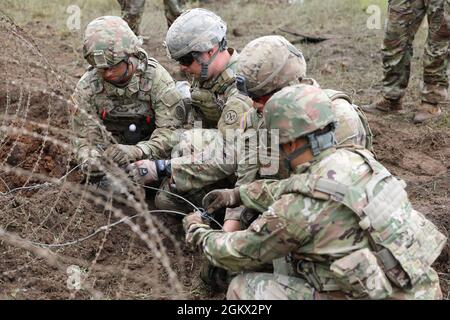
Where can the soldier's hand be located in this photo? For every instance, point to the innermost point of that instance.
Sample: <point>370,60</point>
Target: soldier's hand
<point>143,171</point>
<point>123,154</point>
<point>90,165</point>
<point>191,219</point>
<point>221,198</point>
<point>192,222</point>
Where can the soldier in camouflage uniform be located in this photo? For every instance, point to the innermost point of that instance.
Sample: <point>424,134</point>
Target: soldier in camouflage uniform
<point>125,98</point>
<point>132,12</point>
<point>341,226</point>
<point>268,64</point>
<point>197,40</point>
<point>404,19</point>
<point>256,67</point>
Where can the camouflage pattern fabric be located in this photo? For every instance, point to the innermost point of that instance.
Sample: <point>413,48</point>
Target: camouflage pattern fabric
<point>297,111</point>
<point>105,113</point>
<point>188,177</point>
<point>172,10</point>
<point>270,63</point>
<point>404,19</point>
<point>217,104</point>
<point>268,286</point>
<point>196,30</point>
<point>312,233</point>
<point>201,146</point>
<point>132,12</point>
<point>109,40</point>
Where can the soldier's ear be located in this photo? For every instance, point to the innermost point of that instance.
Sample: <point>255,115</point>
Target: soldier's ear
<point>211,52</point>
<point>288,147</point>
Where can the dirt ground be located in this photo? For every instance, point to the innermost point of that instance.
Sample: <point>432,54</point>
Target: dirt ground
<point>120,264</point>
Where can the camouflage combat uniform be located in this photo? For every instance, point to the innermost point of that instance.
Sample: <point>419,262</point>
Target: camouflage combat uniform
<point>132,12</point>
<point>144,113</point>
<point>404,19</point>
<point>216,102</point>
<point>352,127</point>
<point>324,226</point>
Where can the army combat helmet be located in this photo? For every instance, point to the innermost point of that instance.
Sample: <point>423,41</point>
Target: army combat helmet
<point>108,40</point>
<point>302,111</point>
<point>193,32</point>
<point>268,64</point>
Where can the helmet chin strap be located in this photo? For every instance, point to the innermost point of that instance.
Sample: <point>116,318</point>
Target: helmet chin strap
<point>205,64</point>
<point>121,82</point>
<point>316,142</point>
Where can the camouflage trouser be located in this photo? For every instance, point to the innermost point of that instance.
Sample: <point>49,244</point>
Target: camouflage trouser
<point>269,286</point>
<point>172,10</point>
<point>132,11</point>
<point>404,19</point>
<point>166,201</point>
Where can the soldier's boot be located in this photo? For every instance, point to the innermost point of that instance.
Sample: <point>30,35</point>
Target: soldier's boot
<point>383,105</point>
<point>427,111</point>
<point>216,278</point>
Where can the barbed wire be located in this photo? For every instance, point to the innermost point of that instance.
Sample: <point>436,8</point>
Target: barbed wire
<point>26,98</point>
<point>39,186</point>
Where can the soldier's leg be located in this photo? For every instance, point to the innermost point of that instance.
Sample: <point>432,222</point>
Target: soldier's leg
<point>435,57</point>
<point>132,11</point>
<point>167,201</point>
<point>404,19</point>
<point>435,61</point>
<point>267,286</point>
<point>171,10</point>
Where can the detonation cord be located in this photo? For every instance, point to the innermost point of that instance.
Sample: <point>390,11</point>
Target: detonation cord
<point>198,210</point>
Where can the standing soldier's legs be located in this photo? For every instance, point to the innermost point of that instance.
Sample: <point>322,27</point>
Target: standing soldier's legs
<point>268,286</point>
<point>172,10</point>
<point>435,61</point>
<point>132,11</point>
<point>403,21</point>
<point>405,17</point>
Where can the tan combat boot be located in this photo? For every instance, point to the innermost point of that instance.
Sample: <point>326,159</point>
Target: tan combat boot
<point>427,111</point>
<point>383,105</point>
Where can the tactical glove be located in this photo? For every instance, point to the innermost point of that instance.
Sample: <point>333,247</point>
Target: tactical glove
<point>191,219</point>
<point>123,154</point>
<point>192,222</point>
<point>90,162</point>
<point>143,171</point>
<point>221,198</point>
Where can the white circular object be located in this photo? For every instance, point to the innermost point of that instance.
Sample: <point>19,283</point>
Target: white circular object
<point>132,127</point>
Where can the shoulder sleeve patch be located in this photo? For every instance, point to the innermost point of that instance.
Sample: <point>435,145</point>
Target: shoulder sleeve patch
<point>230,117</point>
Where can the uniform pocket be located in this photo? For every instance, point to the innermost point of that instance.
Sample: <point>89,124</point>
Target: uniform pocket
<point>360,275</point>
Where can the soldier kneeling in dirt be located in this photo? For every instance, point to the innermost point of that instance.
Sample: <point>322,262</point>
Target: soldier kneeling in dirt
<point>126,105</point>
<point>341,226</point>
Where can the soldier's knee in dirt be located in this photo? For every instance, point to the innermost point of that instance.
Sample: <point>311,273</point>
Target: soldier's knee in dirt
<point>164,201</point>
<point>216,278</point>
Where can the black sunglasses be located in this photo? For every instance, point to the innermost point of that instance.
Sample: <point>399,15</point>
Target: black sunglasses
<point>186,60</point>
